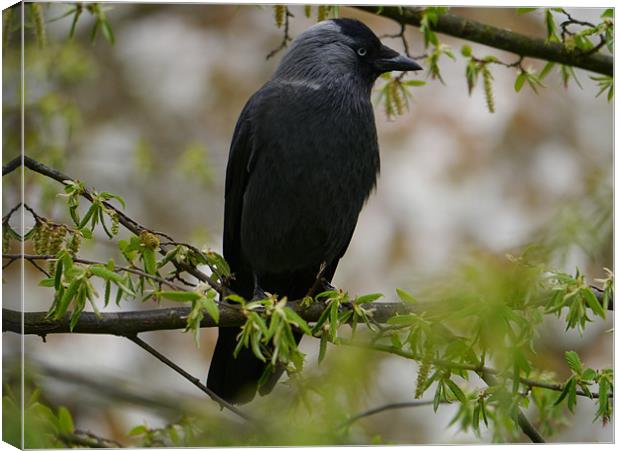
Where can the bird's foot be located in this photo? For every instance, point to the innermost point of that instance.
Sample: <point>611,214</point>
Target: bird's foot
<point>258,294</point>
<point>325,285</point>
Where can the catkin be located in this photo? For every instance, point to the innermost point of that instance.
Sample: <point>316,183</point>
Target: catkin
<point>322,12</point>
<point>279,12</point>
<point>74,245</point>
<point>39,23</point>
<point>56,238</point>
<point>425,366</point>
<point>41,238</point>
<point>308,10</point>
<point>6,27</point>
<point>115,223</point>
<point>149,239</point>
<point>487,79</point>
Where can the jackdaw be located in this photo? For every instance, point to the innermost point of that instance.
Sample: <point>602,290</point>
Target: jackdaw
<point>303,160</point>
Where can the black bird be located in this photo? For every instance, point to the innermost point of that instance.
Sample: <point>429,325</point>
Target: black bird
<point>303,160</point>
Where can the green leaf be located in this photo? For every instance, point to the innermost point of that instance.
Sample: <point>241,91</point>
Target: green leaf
<point>588,374</point>
<point>525,10</point>
<point>89,214</point>
<point>107,31</point>
<point>574,362</point>
<point>551,35</point>
<point>235,298</point>
<point>65,422</point>
<point>138,430</point>
<point>58,274</point>
<point>592,302</point>
<point>67,297</point>
<point>322,347</point>
<point>78,11</point>
<point>179,296</point>
<point>609,12</point>
<point>212,308</point>
<point>106,295</point>
<point>106,274</point>
<point>150,263</point>
<point>48,283</point>
<point>405,296</point>
<point>455,389</point>
<point>333,319</point>
<point>294,318</point>
<point>565,390</point>
<point>413,83</point>
<point>545,70</point>
<point>519,81</point>
<point>367,298</point>
<point>438,396</point>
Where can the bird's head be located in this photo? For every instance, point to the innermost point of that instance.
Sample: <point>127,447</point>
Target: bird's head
<point>341,48</point>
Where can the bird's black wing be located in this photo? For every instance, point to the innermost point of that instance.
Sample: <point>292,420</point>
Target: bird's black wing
<point>229,375</point>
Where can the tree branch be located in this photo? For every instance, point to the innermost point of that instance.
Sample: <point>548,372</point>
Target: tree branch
<point>133,322</point>
<point>471,30</point>
<point>188,376</point>
<point>383,408</point>
<point>85,439</point>
<point>129,223</point>
<point>483,371</point>
<point>136,271</point>
<point>525,425</point>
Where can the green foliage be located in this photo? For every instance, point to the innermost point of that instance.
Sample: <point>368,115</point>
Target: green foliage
<point>533,80</point>
<point>38,23</point>
<point>43,428</point>
<point>429,19</point>
<point>605,83</point>
<point>324,12</point>
<point>577,295</point>
<point>396,95</point>
<point>279,12</point>
<point>194,165</point>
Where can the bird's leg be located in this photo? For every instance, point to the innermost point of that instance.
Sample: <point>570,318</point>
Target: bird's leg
<point>320,284</point>
<point>258,294</point>
<point>326,285</point>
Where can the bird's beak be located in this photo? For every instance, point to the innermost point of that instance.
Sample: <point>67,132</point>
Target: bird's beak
<point>390,60</point>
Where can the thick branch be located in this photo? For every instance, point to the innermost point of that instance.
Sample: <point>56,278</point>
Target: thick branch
<point>527,46</point>
<point>130,323</point>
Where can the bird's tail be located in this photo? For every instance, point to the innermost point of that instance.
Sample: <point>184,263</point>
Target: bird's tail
<point>236,379</point>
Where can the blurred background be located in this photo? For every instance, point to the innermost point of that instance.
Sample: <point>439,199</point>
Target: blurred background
<point>150,118</point>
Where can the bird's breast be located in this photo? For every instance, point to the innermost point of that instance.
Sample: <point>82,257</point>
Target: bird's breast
<point>308,185</point>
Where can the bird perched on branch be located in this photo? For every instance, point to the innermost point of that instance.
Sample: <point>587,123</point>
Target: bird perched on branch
<point>303,160</point>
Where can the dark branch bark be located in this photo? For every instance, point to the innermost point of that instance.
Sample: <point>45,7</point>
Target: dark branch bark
<point>527,46</point>
<point>130,323</point>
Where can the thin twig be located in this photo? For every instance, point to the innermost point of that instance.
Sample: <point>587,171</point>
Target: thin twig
<point>129,223</point>
<point>391,406</point>
<point>188,376</point>
<point>136,271</point>
<point>285,39</point>
<point>482,370</point>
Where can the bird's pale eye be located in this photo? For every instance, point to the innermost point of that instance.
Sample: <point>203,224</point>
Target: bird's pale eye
<point>362,51</point>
